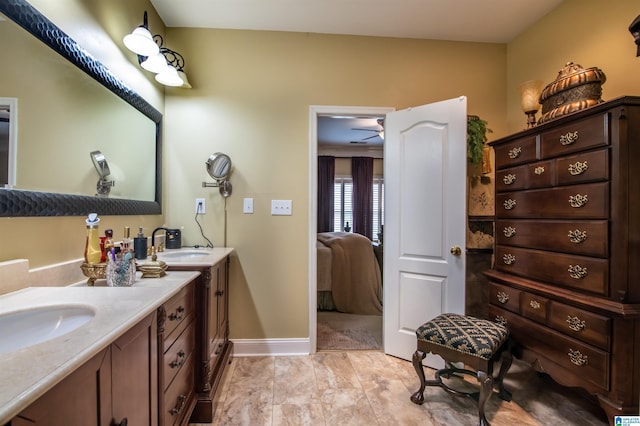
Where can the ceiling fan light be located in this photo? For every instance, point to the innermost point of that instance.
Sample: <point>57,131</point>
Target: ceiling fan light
<point>140,41</point>
<point>169,77</point>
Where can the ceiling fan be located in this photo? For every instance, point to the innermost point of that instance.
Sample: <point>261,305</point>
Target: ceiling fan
<point>378,132</point>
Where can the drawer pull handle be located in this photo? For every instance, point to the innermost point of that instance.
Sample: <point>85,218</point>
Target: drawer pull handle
<point>577,236</point>
<point>501,320</point>
<point>182,399</point>
<point>577,358</point>
<point>177,315</point>
<point>502,297</point>
<point>509,204</point>
<point>515,153</point>
<point>179,361</point>
<point>569,138</point>
<point>509,179</point>
<point>509,259</point>
<point>534,304</point>
<point>577,272</point>
<point>577,201</point>
<point>538,170</point>
<point>578,168</point>
<point>509,231</point>
<point>575,323</point>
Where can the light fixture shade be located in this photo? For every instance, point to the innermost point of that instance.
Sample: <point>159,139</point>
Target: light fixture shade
<point>169,77</point>
<point>530,95</point>
<point>140,41</point>
<point>155,64</point>
<point>185,82</point>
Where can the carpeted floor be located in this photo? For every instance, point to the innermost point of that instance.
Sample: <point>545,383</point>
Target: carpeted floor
<point>339,331</point>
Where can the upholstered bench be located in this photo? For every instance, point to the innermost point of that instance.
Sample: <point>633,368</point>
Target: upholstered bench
<point>476,343</point>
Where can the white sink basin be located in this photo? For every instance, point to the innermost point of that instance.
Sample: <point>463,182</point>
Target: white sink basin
<point>20,329</point>
<point>183,254</point>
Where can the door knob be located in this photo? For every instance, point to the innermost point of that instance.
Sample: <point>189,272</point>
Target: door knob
<point>456,251</point>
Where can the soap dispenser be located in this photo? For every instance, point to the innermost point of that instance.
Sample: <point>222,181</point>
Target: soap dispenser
<point>140,246</point>
<point>92,252</point>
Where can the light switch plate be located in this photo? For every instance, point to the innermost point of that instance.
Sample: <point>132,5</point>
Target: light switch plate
<point>281,208</point>
<point>247,206</point>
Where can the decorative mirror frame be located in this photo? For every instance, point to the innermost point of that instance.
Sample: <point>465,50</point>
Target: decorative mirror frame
<point>14,202</point>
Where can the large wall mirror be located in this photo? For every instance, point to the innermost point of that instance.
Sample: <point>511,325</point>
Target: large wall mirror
<point>69,105</point>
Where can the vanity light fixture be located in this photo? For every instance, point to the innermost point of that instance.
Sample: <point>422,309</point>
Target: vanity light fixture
<point>167,64</point>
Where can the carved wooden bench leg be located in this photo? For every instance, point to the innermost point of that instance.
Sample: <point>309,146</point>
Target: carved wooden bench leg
<point>486,388</point>
<point>506,358</point>
<point>418,396</point>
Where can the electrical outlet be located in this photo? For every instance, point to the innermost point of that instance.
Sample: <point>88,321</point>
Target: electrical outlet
<point>281,208</point>
<point>200,206</point>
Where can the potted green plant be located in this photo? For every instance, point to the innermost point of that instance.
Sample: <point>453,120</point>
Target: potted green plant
<point>476,137</point>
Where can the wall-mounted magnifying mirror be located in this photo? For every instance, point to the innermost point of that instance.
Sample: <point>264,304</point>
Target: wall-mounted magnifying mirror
<point>103,187</point>
<point>219,168</point>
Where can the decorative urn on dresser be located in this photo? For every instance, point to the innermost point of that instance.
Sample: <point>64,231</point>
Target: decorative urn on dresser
<point>566,276</point>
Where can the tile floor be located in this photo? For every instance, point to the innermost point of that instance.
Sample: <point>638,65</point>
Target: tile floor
<point>369,388</point>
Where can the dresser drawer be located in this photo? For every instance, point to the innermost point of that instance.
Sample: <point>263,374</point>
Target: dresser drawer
<point>511,179</point>
<point>505,297</point>
<point>534,307</point>
<point>180,307</point>
<point>584,167</point>
<point>178,353</point>
<point>583,325</point>
<point>577,136</point>
<point>516,152</point>
<point>585,362</point>
<point>587,238</point>
<point>588,201</point>
<point>579,272</point>
<point>179,396</point>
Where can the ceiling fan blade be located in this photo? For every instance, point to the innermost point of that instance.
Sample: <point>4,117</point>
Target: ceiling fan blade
<point>370,137</point>
<point>367,130</point>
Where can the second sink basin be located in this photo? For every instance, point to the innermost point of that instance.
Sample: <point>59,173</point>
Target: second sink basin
<point>183,254</point>
<point>20,329</point>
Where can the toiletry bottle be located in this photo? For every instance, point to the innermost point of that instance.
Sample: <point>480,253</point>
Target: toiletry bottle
<point>108,243</point>
<point>126,241</point>
<point>92,252</point>
<point>140,245</point>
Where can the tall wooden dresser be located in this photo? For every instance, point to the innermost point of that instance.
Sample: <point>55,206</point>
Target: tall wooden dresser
<point>566,275</point>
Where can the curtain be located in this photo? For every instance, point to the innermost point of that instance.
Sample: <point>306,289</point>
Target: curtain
<point>326,177</point>
<point>362,173</point>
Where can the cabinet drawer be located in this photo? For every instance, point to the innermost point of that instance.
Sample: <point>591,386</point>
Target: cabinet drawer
<point>540,174</point>
<point>511,179</point>
<point>587,238</point>
<point>180,307</point>
<point>504,296</point>
<point>179,396</point>
<point>178,353</point>
<point>583,325</point>
<point>579,272</point>
<point>585,362</point>
<point>577,136</point>
<point>584,167</point>
<point>517,152</point>
<point>534,307</point>
<point>569,202</point>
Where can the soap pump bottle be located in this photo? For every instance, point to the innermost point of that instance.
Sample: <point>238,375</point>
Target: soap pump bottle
<point>92,252</point>
<point>140,246</point>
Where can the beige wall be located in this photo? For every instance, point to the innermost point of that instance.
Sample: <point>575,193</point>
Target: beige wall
<point>592,33</point>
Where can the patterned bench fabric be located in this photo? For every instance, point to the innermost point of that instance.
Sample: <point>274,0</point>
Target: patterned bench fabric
<point>464,334</point>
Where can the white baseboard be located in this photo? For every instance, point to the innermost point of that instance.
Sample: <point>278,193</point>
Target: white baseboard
<point>271,347</point>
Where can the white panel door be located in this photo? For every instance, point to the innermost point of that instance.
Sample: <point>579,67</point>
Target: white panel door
<point>425,219</point>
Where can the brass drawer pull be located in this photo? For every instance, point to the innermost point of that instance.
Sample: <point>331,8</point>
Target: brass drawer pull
<point>509,179</point>
<point>577,358</point>
<point>509,204</point>
<point>509,231</point>
<point>577,272</point>
<point>538,170</point>
<point>569,138</point>
<point>182,399</point>
<point>501,320</point>
<point>177,315</point>
<point>575,323</point>
<point>515,153</point>
<point>179,361</point>
<point>509,259</point>
<point>577,236</point>
<point>534,304</point>
<point>578,168</point>
<point>502,297</point>
<point>577,201</point>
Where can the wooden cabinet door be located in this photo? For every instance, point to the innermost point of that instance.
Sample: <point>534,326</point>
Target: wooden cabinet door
<point>134,375</point>
<point>82,398</point>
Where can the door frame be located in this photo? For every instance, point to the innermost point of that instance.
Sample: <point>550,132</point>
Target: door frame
<point>316,111</point>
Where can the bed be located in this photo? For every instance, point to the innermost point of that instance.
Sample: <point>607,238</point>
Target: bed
<point>349,278</point>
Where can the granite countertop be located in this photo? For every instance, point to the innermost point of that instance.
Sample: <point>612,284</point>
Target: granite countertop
<point>194,257</point>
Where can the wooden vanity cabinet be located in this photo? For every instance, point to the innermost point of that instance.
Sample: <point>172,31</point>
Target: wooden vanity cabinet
<point>116,387</point>
<point>212,330</point>
<point>566,278</point>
